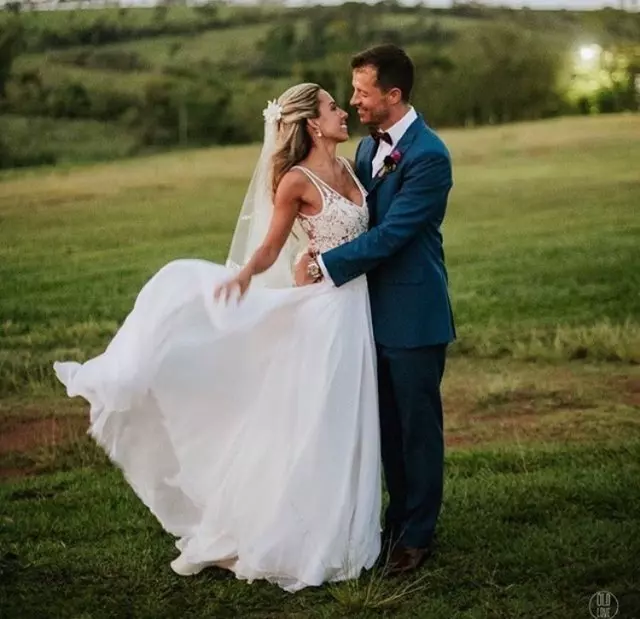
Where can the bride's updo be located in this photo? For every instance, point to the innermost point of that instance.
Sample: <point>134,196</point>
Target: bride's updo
<point>299,104</point>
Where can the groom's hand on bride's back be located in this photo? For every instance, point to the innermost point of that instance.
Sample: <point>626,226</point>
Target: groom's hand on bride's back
<point>302,276</point>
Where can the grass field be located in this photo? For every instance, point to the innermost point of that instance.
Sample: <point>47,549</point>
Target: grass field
<point>541,395</point>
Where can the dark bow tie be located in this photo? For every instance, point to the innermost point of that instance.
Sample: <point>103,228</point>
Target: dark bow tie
<point>378,134</point>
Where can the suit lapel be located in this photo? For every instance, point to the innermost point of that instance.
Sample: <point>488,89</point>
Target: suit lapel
<point>402,146</point>
<point>366,157</point>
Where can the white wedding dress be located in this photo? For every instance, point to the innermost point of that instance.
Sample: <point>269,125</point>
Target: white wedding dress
<point>250,431</point>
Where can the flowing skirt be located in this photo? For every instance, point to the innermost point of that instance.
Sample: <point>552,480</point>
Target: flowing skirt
<point>249,430</point>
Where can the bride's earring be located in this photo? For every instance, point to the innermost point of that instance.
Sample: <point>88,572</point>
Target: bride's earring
<point>319,133</point>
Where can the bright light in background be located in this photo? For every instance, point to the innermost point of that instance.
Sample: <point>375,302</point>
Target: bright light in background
<point>588,53</point>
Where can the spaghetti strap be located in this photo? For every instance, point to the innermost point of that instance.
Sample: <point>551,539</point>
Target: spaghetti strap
<point>320,185</point>
<point>316,180</point>
<point>326,190</point>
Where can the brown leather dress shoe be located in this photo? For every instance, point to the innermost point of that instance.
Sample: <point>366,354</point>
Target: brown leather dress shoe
<point>404,559</point>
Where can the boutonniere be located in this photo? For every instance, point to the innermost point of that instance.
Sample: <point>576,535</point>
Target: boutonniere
<point>390,163</point>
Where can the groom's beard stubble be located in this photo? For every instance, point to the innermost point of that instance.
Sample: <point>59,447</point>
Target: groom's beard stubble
<point>376,120</point>
<point>372,118</point>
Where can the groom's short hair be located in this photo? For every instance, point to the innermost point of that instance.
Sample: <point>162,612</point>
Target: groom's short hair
<point>393,67</point>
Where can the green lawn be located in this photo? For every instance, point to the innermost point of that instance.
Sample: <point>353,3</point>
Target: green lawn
<point>541,394</point>
<point>524,534</point>
<point>541,241</point>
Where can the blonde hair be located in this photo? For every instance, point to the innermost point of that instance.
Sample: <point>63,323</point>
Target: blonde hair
<point>299,104</point>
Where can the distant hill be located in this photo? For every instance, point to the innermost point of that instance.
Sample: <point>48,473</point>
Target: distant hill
<point>195,75</point>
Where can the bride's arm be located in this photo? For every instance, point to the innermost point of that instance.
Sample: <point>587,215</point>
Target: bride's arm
<point>285,209</point>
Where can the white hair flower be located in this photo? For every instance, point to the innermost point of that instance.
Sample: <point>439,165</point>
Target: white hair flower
<point>273,112</point>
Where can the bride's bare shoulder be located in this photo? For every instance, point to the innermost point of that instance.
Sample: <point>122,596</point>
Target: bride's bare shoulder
<point>294,179</point>
<point>292,186</point>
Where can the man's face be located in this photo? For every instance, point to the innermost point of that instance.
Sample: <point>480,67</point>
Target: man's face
<point>371,103</point>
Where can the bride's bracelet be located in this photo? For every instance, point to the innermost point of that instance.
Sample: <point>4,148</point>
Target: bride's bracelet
<point>313,269</point>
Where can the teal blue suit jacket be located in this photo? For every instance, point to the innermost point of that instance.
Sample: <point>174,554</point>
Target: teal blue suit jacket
<point>402,253</point>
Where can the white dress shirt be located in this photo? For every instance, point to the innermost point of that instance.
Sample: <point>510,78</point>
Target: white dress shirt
<point>395,132</point>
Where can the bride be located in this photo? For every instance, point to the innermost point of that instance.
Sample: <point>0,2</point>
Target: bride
<point>250,428</point>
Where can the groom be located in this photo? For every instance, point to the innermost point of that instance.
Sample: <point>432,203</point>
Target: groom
<point>406,170</point>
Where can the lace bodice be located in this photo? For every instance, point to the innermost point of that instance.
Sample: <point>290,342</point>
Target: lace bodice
<point>339,221</point>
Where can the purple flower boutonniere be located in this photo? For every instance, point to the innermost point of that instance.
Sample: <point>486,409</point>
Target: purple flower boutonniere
<point>390,163</point>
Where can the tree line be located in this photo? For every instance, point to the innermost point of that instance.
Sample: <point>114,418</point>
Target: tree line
<point>504,66</point>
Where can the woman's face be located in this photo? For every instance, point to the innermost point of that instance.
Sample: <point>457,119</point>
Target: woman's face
<point>332,122</point>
